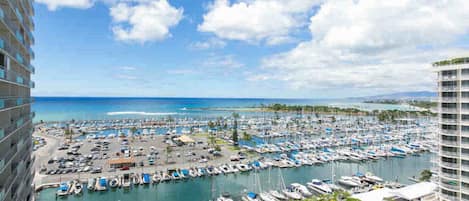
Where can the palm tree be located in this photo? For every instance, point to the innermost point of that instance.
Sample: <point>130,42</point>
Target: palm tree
<point>234,136</point>
<point>168,151</point>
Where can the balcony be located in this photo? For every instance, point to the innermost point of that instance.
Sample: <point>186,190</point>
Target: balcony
<point>450,153</point>
<point>450,132</point>
<point>449,99</point>
<point>449,110</point>
<point>447,77</point>
<point>449,142</point>
<point>454,186</point>
<point>448,197</point>
<point>7,158</point>
<point>14,77</point>
<point>17,124</point>
<point>19,42</point>
<point>8,103</point>
<point>449,175</point>
<point>448,88</point>
<point>448,121</point>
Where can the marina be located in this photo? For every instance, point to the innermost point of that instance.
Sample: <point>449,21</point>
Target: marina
<point>276,154</point>
<point>209,188</point>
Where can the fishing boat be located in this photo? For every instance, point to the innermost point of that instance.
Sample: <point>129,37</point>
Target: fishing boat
<point>63,189</point>
<point>91,184</point>
<point>301,189</point>
<point>250,196</point>
<point>101,184</point>
<point>319,187</point>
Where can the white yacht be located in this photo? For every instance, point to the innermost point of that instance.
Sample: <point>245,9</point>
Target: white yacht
<point>290,193</point>
<point>264,196</point>
<point>319,187</point>
<point>278,195</point>
<point>349,181</point>
<point>301,189</point>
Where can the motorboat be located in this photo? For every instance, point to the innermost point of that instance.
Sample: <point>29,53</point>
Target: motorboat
<point>63,189</point>
<point>225,197</point>
<point>175,175</point>
<point>78,188</point>
<point>319,187</point>
<point>114,182</point>
<point>278,195</point>
<point>146,178</point>
<point>301,189</point>
<point>193,173</point>
<point>290,193</point>
<point>126,181</point>
<point>90,185</point>
<point>101,184</point>
<point>250,196</point>
<point>349,181</point>
<point>243,167</point>
<point>156,178</point>
<point>265,196</point>
<point>373,178</point>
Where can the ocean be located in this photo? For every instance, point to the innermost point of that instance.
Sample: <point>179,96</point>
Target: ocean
<point>96,108</point>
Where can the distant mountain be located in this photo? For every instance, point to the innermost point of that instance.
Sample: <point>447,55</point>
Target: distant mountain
<point>411,95</point>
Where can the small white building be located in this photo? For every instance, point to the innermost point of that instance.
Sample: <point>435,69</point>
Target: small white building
<point>424,191</point>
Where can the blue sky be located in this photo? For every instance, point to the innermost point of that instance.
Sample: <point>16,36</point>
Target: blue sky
<point>251,48</point>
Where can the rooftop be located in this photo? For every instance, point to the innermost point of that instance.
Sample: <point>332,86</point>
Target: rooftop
<point>460,60</point>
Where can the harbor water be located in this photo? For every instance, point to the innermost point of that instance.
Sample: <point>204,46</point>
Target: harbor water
<point>208,188</point>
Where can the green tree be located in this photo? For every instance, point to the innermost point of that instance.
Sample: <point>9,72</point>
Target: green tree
<point>425,175</point>
<point>234,136</point>
<point>246,136</point>
<point>211,139</point>
<point>133,130</point>
<point>168,151</point>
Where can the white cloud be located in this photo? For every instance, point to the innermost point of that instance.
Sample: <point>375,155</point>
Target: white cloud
<point>144,20</point>
<point>127,68</point>
<point>372,45</point>
<point>55,4</point>
<point>271,21</point>
<point>212,43</point>
<point>223,62</point>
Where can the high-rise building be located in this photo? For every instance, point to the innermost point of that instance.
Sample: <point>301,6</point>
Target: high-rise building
<point>453,93</point>
<point>16,171</point>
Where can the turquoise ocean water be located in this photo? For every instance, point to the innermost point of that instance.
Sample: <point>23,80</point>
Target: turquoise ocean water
<point>67,108</point>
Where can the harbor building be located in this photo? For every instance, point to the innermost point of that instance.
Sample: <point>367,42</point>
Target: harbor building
<point>453,95</point>
<point>16,38</point>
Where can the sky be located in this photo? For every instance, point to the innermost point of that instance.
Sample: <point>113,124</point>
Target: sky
<point>244,48</point>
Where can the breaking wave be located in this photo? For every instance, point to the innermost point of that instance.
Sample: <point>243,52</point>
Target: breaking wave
<point>140,113</point>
